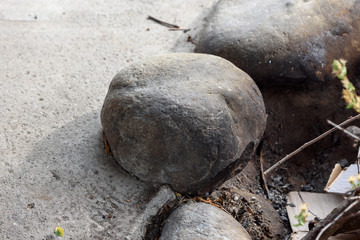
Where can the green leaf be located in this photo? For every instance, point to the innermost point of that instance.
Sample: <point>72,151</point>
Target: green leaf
<point>342,74</point>
<point>351,105</point>
<point>336,65</point>
<point>339,68</point>
<point>59,231</point>
<point>350,86</point>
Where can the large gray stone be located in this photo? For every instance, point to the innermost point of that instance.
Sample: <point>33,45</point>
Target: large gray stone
<point>202,221</point>
<point>183,120</point>
<point>284,41</point>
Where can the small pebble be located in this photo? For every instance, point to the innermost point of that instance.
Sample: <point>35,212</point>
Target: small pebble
<point>307,188</point>
<point>31,205</point>
<point>344,163</point>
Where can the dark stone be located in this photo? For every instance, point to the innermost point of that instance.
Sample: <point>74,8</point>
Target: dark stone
<point>202,221</point>
<point>307,188</point>
<point>284,41</point>
<point>344,163</point>
<point>188,120</point>
<point>354,130</point>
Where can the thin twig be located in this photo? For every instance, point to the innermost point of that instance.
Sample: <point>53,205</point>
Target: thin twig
<point>344,130</point>
<point>302,201</point>
<point>352,192</point>
<point>335,219</point>
<point>169,25</point>
<point>308,144</point>
<point>351,135</point>
<point>213,203</point>
<point>263,177</point>
<point>107,146</point>
<point>180,29</point>
<point>358,161</point>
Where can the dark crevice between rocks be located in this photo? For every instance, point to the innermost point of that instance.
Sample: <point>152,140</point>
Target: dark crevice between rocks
<point>156,223</point>
<point>232,169</point>
<point>248,209</point>
<point>154,228</point>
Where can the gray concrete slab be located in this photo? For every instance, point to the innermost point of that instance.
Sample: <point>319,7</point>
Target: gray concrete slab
<point>57,60</point>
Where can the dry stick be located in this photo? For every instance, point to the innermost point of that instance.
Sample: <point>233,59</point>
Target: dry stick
<point>308,144</point>
<point>344,130</point>
<point>169,25</point>
<point>349,208</point>
<point>302,201</point>
<point>351,135</point>
<point>358,161</point>
<point>262,174</point>
<point>180,29</point>
<point>332,225</point>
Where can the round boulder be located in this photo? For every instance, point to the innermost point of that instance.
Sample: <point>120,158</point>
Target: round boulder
<point>202,221</point>
<point>284,41</point>
<point>187,120</point>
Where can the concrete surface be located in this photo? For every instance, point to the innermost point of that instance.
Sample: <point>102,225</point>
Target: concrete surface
<point>57,60</point>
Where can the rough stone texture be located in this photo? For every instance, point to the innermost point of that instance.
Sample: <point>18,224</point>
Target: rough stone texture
<point>54,74</point>
<point>354,130</point>
<point>284,41</point>
<point>202,221</point>
<point>183,119</point>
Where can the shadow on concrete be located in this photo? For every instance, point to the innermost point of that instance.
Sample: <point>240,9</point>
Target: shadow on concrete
<point>70,179</point>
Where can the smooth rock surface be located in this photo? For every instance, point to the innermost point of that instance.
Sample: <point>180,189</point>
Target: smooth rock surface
<point>57,59</point>
<point>183,119</point>
<point>202,221</point>
<point>284,41</point>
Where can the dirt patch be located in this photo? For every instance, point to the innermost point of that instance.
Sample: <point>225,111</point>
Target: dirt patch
<point>254,213</point>
<point>298,115</point>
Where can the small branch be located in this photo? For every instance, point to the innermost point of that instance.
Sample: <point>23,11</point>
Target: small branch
<point>263,177</point>
<point>169,25</point>
<point>107,146</point>
<point>358,161</point>
<point>335,220</point>
<point>344,130</point>
<point>332,226</point>
<point>180,29</point>
<point>302,201</point>
<point>351,135</point>
<point>308,144</point>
